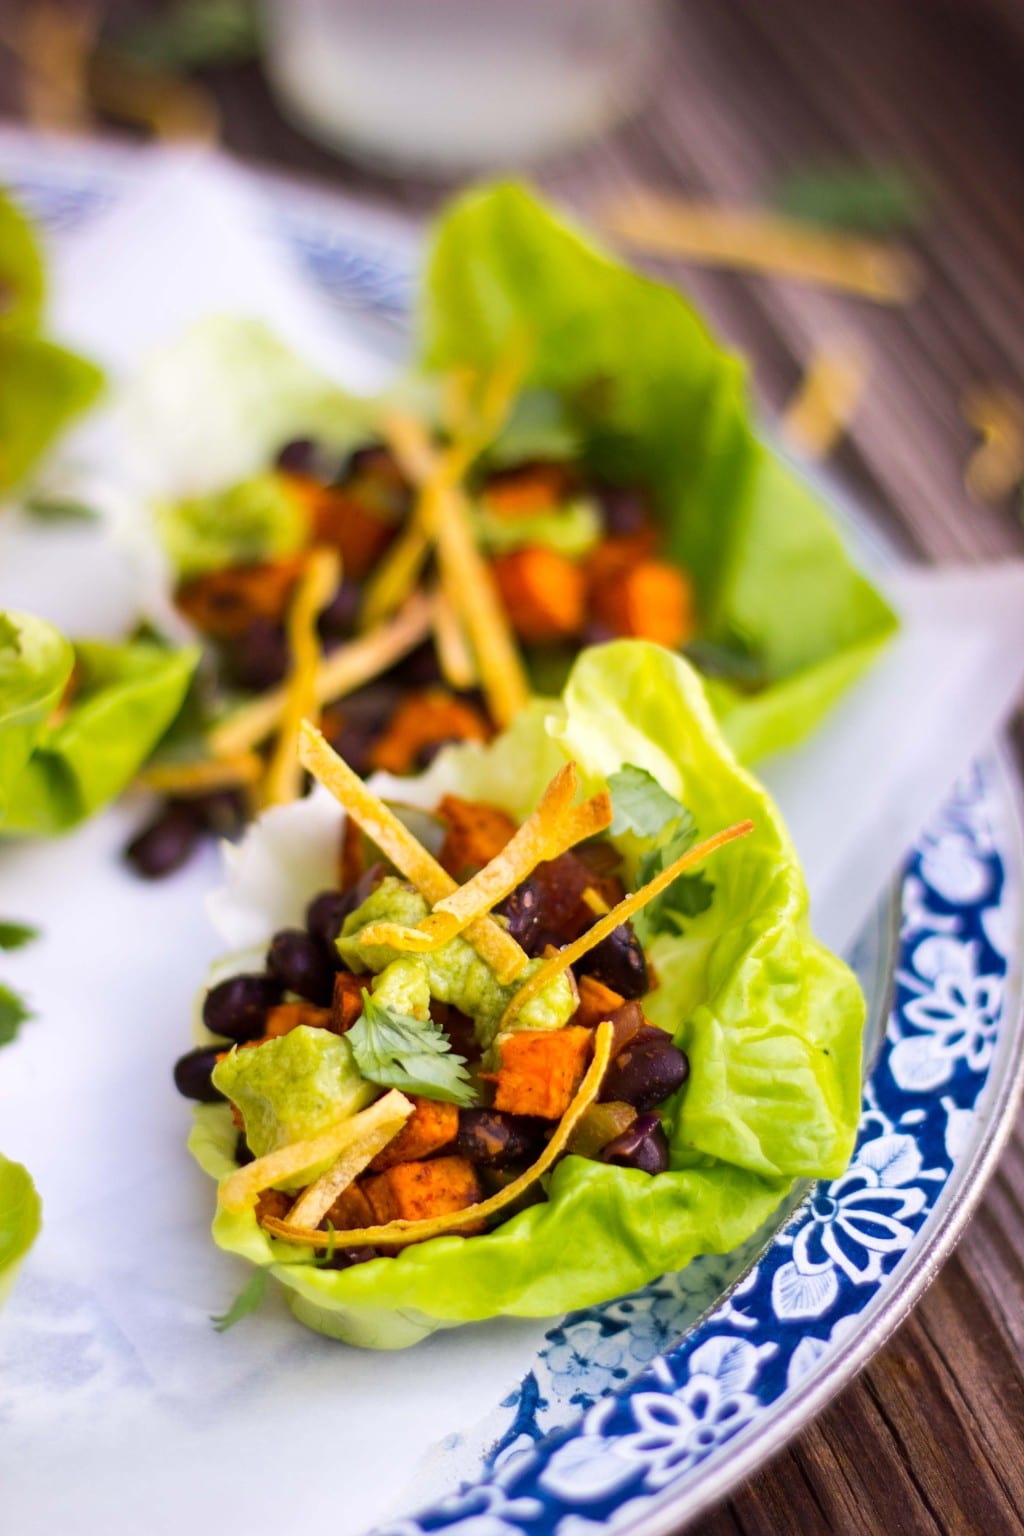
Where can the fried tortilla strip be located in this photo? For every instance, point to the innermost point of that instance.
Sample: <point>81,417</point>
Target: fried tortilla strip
<point>398,844</point>
<point>239,1190</point>
<point>453,651</point>
<point>314,1203</point>
<point>562,959</point>
<point>203,776</point>
<point>400,1233</point>
<point>552,828</point>
<point>317,585</point>
<point>344,670</point>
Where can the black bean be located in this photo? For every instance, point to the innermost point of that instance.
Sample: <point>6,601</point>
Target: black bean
<point>192,1074</point>
<point>344,1258</point>
<point>299,457</point>
<point>243,1154</point>
<point>338,620</point>
<point>258,659</point>
<point>420,669</point>
<point>643,1146</point>
<point>298,962</point>
<point>165,843</point>
<point>646,1071</point>
<point>237,1008</point>
<point>325,915</point>
<point>625,509</point>
<point>494,1139</point>
<point>619,962</point>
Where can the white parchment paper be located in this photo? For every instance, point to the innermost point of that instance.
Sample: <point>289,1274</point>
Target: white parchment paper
<point>121,1410</point>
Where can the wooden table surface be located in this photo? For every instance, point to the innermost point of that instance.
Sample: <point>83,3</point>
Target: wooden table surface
<point>929,1438</point>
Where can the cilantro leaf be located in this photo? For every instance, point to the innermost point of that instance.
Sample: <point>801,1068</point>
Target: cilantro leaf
<point>641,806</point>
<point>881,200</point>
<point>247,1300</point>
<point>13,1014</point>
<point>58,509</point>
<point>397,1050</point>
<point>16,935</point>
<point>195,34</point>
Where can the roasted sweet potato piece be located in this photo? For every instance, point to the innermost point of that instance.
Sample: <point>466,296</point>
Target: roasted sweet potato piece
<point>288,1016</point>
<point>543,593</point>
<point>412,1191</point>
<point>431,1127</point>
<point>273,1202</point>
<point>651,600</point>
<point>341,518</point>
<point>541,1070</point>
<point>477,832</point>
<point>223,604</point>
<point>422,721</point>
<point>614,555</point>
<point>528,489</point>
<point>350,1210</point>
<point>597,1002</point>
<point>347,1002</point>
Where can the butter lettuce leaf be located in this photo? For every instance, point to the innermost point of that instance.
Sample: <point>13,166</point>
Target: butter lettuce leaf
<point>770,1019</point>
<point>22,277</point>
<point>58,766</point>
<point>651,395</point>
<point>20,1218</point>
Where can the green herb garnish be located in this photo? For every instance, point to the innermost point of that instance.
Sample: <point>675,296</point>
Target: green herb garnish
<point>247,1301</point>
<point>16,935</point>
<point>882,201</point>
<point>13,1014</point>
<point>640,805</point>
<point>397,1050</point>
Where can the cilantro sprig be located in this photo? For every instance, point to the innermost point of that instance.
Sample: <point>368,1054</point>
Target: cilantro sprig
<point>13,1009</point>
<point>397,1050</point>
<point>247,1301</point>
<point>641,806</point>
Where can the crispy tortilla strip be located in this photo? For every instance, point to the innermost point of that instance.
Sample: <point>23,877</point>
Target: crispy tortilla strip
<point>752,241</point>
<point>344,670</point>
<point>562,959</point>
<point>470,585</point>
<point>400,1233</point>
<point>317,585</point>
<point>826,399</point>
<point>997,464</point>
<point>453,652</point>
<point>314,1203</point>
<point>238,1192</point>
<point>201,777</point>
<point>398,844</point>
<point>550,830</point>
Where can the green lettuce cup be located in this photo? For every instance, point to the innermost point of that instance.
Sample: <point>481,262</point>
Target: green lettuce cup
<point>43,387</point>
<point>77,721</point>
<point>770,1020</point>
<point>648,394</point>
<point>20,1219</point>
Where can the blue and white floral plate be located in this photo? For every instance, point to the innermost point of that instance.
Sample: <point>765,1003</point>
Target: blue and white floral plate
<point>640,1413</point>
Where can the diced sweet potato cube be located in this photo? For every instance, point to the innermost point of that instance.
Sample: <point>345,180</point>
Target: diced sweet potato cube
<point>543,593</point>
<point>422,721</point>
<point>350,1210</point>
<point>651,600</point>
<point>342,519</point>
<point>477,832</point>
<point>273,1202</point>
<point>541,1070</point>
<point>431,1127</point>
<point>527,489</point>
<point>347,1002</point>
<point>288,1016</point>
<point>597,1002</point>
<point>223,604</point>
<point>414,1191</point>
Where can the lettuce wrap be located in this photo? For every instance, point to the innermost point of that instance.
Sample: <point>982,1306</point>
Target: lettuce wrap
<point>770,1020</point>
<point>20,1216</point>
<point>650,395</point>
<point>60,762</point>
<point>43,387</point>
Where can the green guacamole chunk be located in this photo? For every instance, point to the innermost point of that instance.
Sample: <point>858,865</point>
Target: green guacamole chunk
<point>292,1088</point>
<point>454,974</point>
